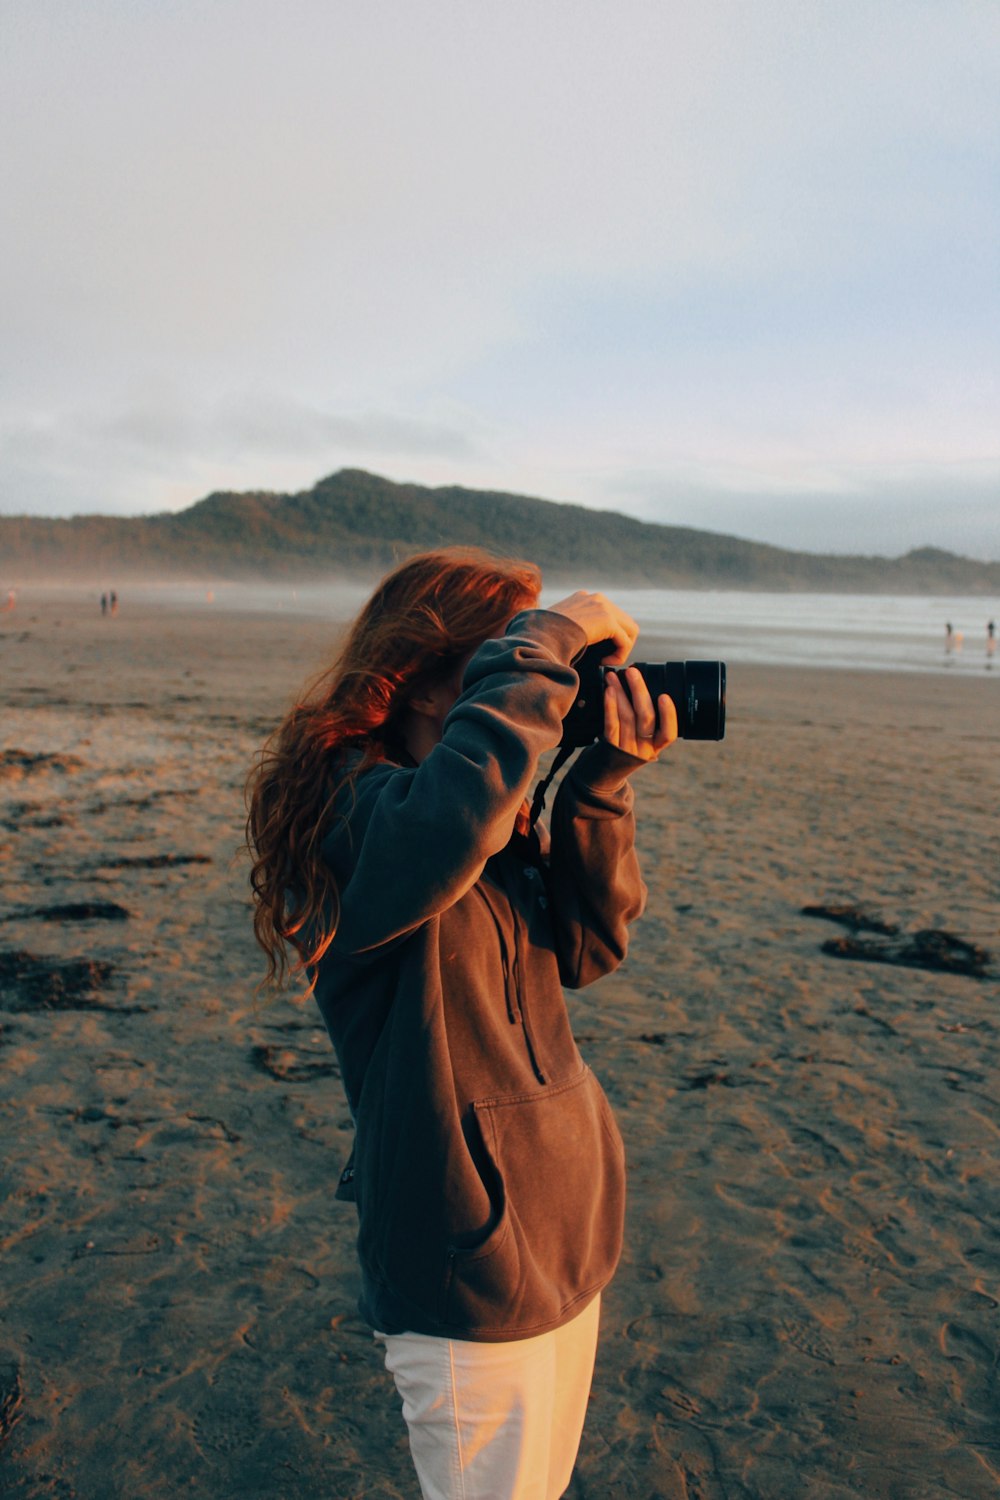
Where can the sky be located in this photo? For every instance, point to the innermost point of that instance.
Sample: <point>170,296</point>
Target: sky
<point>730,264</point>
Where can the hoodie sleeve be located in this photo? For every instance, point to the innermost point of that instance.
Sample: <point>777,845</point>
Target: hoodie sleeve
<point>594,877</point>
<point>412,840</point>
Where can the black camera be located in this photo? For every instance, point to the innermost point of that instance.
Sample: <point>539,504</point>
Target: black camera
<point>698,690</point>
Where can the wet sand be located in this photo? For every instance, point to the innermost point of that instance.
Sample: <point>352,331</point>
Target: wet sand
<point>808,1301</point>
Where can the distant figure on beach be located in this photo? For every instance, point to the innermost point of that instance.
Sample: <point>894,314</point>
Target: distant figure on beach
<point>104,604</point>
<point>11,604</point>
<point>952,640</point>
<point>396,859</point>
<point>991,641</point>
<point>113,600</point>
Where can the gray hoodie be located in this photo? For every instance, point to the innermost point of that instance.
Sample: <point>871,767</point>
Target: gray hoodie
<point>488,1171</point>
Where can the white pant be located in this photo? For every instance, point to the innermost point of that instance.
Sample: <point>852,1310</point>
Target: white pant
<point>495,1421</point>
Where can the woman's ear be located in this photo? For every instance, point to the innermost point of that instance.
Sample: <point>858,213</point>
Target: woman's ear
<point>423,703</point>
<point>434,699</point>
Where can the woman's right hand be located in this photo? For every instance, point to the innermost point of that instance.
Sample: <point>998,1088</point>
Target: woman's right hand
<point>600,620</point>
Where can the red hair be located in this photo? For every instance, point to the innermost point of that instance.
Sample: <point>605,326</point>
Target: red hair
<point>424,618</point>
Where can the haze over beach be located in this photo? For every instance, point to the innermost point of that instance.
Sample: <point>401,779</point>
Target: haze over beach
<point>693,303</point>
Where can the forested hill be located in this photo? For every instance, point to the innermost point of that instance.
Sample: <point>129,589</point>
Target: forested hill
<point>354,524</point>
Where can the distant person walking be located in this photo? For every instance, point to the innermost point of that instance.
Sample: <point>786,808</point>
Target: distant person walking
<point>952,640</point>
<point>11,604</point>
<point>991,641</point>
<point>104,604</point>
<point>114,602</point>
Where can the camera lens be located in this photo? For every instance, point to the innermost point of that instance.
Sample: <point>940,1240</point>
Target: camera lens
<point>698,690</point>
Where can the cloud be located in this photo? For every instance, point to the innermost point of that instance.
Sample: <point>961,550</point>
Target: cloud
<point>374,206</point>
<point>169,451</point>
<point>522,246</point>
<point>256,424</point>
<point>846,509</point>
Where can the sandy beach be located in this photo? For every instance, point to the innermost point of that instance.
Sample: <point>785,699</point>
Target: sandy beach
<point>808,1300</point>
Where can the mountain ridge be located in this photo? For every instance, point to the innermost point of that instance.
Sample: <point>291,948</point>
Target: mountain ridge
<point>353,523</point>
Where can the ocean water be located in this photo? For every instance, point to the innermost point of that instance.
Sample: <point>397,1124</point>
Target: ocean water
<point>864,631</point>
<point>869,632</point>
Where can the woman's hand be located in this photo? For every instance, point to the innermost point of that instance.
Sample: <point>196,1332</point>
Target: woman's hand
<point>600,620</point>
<point>634,725</point>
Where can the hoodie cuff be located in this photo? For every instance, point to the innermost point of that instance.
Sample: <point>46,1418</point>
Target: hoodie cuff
<point>603,767</point>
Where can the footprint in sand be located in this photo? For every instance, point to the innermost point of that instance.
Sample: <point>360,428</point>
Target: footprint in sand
<point>16,764</point>
<point>12,1407</point>
<point>975,1364</point>
<point>289,1066</point>
<point>807,1338</point>
<point>224,1428</point>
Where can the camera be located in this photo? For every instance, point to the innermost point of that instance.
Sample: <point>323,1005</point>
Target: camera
<point>698,690</point>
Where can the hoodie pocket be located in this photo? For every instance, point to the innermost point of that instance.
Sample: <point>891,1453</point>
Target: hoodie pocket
<point>558,1199</point>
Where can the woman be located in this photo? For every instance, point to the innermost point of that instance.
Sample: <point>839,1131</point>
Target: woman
<point>394,851</point>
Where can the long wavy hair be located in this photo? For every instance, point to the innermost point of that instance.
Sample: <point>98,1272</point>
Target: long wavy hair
<point>423,619</point>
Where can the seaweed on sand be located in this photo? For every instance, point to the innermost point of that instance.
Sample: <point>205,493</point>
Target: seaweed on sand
<point>29,982</point>
<point>941,952</point>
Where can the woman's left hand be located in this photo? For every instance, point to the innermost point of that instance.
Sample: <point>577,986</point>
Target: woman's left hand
<point>633,723</point>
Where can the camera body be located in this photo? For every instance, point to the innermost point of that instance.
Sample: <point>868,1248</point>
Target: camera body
<point>698,690</point>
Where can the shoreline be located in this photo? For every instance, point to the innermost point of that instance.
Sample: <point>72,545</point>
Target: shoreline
<point>686,639</point>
